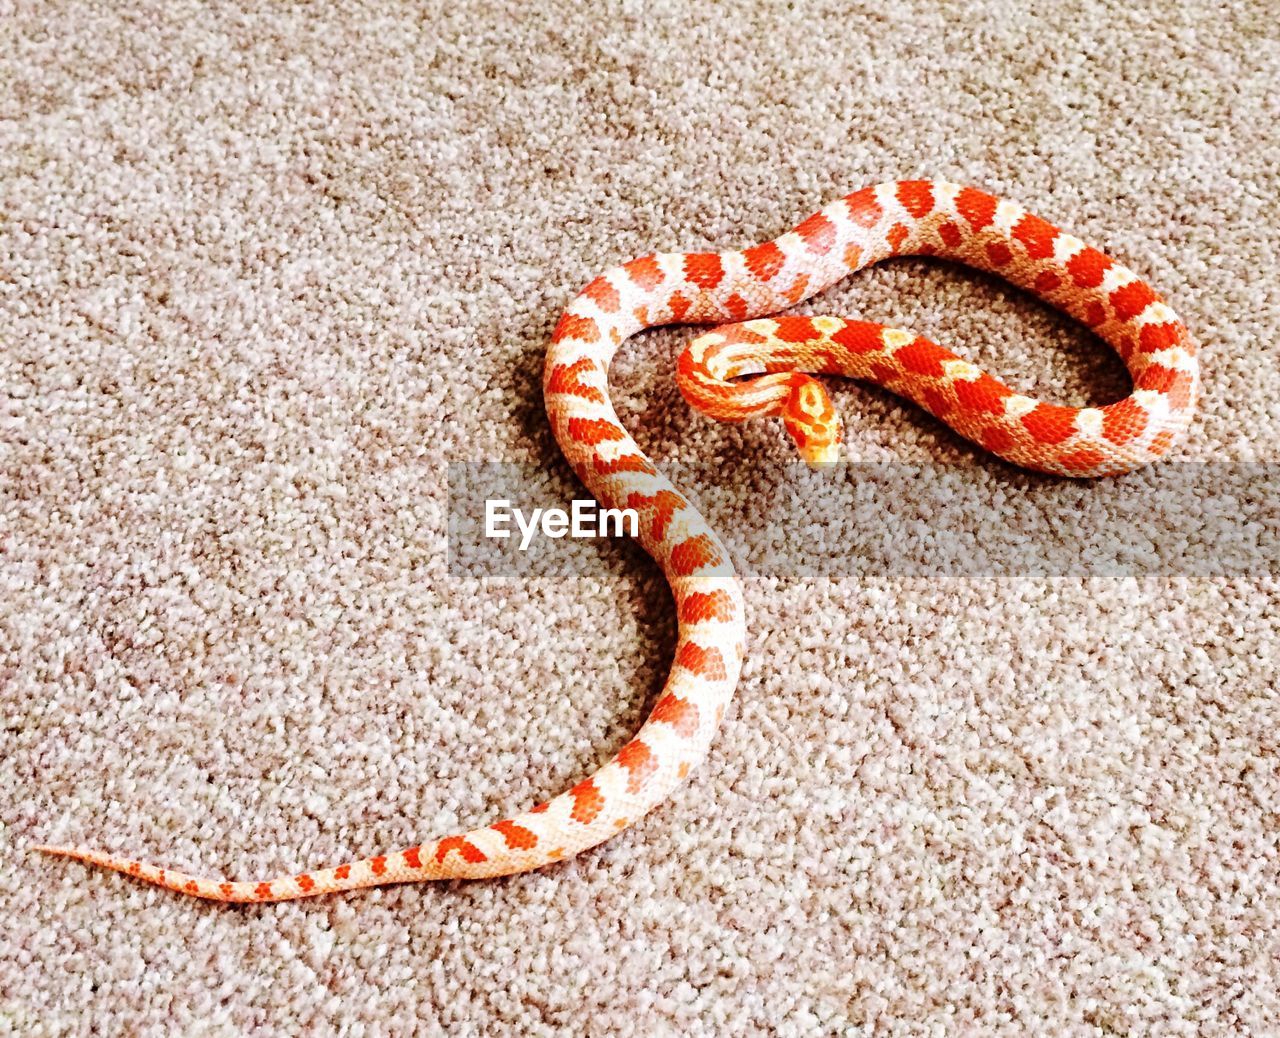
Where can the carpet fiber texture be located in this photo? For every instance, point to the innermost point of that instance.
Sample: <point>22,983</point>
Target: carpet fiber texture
<point>266,270</point>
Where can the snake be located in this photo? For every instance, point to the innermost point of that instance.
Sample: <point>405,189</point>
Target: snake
<point>759,362</point>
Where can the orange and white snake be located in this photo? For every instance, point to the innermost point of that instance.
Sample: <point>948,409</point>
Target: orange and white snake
<point>918,217</point>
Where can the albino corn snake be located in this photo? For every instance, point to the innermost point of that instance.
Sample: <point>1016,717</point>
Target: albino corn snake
<point>743,288</point>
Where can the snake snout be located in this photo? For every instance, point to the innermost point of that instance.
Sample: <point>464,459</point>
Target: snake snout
<point>821,456</point>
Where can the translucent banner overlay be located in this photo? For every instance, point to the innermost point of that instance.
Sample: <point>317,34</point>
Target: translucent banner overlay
<point>864,520</point>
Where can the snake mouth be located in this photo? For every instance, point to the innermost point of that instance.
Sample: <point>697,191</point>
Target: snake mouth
<point>821,455</point>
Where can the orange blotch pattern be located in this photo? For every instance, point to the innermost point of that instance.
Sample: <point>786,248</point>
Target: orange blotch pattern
<point>701,606</point>
<point>594,430</point>
<point>996,439</point>
<point>998,253</point>
<point>469,851</point>
<point>704,269</point>
<point>566,378</point>
<point>1050,423</point>
<point>819,234</point>
<point>864,208</point>
<point>603,294</point>
<point>1083,460</point>
<point>587,802</point>
<point>923,357</point>
<point>1176,385</point>
<point>1123,421</point>
<point>679,713</point>
<point>645,272</point>
<point>639,761</point>
<point>764,261</point>
<point>694,554</point>
<point>623,463</point>
<point>517,836</point>
<point>1156,337</point>
<point>794,329</point>
<point>574,326</point>
<point>797,290</point>
<point>983,393</point>
<point>860,337</point>
<point>977,207</point>
<point>1047,281</point>
<point>664,504</point>
<point>884,373</point>
<point>936,401</point>
<point>1088,267</point>
<point>1130,300</point>
<point>1036,235</point>
<point>704,660</point>
<point>916,197</point>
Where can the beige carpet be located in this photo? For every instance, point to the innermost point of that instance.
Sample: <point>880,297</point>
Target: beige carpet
<point>266,270</point>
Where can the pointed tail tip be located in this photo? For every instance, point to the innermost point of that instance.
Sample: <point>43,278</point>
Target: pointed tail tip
<point>77,854</point>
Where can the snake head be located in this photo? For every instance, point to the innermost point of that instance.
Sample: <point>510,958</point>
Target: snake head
<point>813,422</point>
